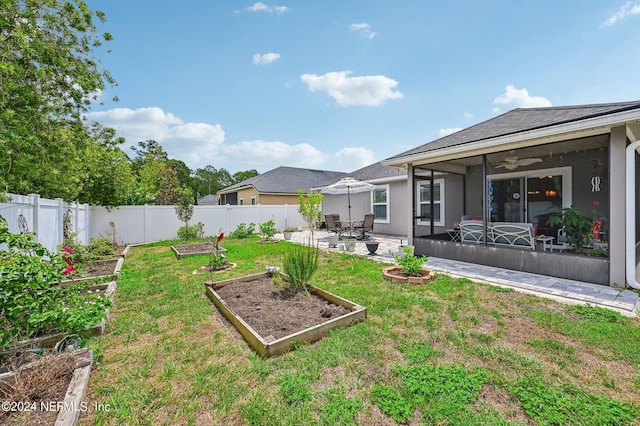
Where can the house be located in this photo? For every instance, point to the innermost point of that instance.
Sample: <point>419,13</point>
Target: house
<point>276,187</point>
<point>522,167</point>
<point>388,200</point>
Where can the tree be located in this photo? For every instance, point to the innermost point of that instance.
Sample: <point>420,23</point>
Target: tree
<point>48,78</point>
<point>244,175</point>
<point>309,208</point>
<point>184,208</point>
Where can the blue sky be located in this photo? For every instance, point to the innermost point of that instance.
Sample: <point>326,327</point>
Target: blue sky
<point>338,85</point>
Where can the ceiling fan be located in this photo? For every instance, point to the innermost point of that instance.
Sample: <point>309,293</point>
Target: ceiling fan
<point>512,163</point>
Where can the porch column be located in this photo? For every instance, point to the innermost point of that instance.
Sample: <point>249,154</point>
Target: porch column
<point>410,212</point>
<point>617,226</point>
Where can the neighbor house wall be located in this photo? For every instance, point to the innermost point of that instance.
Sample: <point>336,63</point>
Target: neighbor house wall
<point>277,199</point>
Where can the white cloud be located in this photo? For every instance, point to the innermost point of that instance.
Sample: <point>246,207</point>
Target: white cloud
<point>629,8</point>
<point>261,7</point>
<point>519,98</point>
<point>448,131</point>
<point>372,90</point>
<point>264,154</point>
<point>201,144</point>
<point>363,29</point>
<point>468,115</point>
<point>265,58</point>
<point>197,144</point>
<point>352,158</point>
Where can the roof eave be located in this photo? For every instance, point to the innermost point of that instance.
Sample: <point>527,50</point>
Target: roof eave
<point>576,129</point>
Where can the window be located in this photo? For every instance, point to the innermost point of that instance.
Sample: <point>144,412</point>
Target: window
<point>380,203</point>
<point>242,201</point>
<point>253,201</point>
<point>424,202</point>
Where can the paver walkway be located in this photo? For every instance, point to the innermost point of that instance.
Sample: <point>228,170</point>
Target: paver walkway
<point>566,291</point>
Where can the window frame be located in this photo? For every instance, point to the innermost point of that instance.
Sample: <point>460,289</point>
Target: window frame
<point>440,202</point>
<point>387,203</point>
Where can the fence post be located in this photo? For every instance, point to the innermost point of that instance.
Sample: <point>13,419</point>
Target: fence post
<point>60,224</point>
<point>35,202</point>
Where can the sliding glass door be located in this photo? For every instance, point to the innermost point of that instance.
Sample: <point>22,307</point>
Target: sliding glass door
<point>530,197</point>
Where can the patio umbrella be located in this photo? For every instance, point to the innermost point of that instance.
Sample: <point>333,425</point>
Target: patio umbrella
<point>348,185</point>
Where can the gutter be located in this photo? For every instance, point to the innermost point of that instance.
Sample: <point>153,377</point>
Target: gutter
<point>630,249</point>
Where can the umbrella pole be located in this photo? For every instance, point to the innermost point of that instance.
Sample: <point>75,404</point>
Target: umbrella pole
<point>349,203</point>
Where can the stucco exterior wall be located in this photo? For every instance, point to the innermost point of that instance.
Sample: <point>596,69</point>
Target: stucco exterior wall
<point>273,199</point>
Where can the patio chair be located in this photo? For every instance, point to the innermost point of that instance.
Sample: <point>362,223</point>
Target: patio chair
<point>365,226</point>
<point>332,224</point>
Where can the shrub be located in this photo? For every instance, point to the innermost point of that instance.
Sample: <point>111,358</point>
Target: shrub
<point>31,302</point>
<point>188,232</point>
<point>100,247</point>
<point>268,229</point>
<point>244,231</point>
<point>411,265</point>
<point>300,263</point>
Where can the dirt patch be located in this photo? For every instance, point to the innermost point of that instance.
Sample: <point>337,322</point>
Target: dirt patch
<point>272,311</point>
<point>98,268</point>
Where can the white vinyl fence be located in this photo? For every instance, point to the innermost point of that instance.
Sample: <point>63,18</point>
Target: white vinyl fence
<point>140,224</point>
<point>131,224</point>
<point>44,217</point>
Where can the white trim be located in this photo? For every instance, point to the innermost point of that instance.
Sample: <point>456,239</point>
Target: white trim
<point>565,172</point>
<point>441,201</point>
<point>630,215</point>
<point>387,203</point>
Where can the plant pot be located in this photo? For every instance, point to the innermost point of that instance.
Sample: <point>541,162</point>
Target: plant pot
<point>350,244</point>
<point>333,240</point>
<point>372,246</point>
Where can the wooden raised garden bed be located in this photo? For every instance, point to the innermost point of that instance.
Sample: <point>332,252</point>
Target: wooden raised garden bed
<point>339,312</point>
<point>195,249</point>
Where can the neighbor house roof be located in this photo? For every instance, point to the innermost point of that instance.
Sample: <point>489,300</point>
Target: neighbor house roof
<point>373,173</point>
<point>210,199</point>
<point>525,122</point>
<point>285,180</point>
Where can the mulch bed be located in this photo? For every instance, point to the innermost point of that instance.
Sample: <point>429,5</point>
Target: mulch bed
<point>46,380</point>
<point>271,311</point>
<point>98,268</point>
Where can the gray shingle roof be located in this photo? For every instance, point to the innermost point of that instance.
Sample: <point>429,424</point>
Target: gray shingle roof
<point>521,120</point>
<point>377,171</point>
<point>286,180</point>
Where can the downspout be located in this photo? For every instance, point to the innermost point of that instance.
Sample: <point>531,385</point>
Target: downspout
<point>630,217</point>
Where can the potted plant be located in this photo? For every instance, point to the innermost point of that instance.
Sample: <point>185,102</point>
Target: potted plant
<point>349,243</point>
<point>288,233</point>
<point>577,227</point>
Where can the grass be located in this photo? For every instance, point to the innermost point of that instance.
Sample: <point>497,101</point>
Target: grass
<point>449,352</point>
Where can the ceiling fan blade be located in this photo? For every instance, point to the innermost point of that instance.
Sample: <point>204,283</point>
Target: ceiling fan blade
<point>529,161</point>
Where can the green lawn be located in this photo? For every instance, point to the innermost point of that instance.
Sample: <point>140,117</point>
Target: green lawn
<point>449,352</point>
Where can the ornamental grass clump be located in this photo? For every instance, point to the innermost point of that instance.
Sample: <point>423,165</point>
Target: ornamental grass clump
<point>300,263</point>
